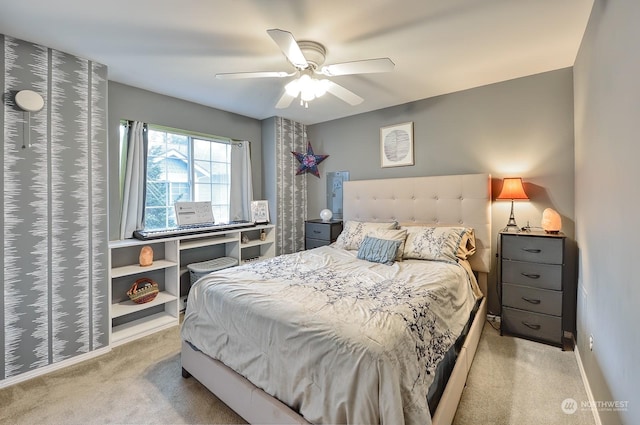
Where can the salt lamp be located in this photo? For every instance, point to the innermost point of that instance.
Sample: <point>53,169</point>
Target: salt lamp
<point>146,256</point>
<point>551,221</point>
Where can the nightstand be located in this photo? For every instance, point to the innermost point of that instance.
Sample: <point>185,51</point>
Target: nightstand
<point>319,233</point>
<point>538,287</point>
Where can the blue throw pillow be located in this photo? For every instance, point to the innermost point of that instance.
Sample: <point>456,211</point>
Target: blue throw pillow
<point>378,250</point>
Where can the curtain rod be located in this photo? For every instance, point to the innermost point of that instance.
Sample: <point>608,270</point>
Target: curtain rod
<point>191,133</point>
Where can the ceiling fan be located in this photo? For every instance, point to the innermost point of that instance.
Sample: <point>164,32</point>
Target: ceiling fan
<point>308,59</point>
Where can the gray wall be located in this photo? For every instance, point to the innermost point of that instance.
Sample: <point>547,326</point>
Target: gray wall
<point>607,113</point>
<point>522,127</point>
<point>131,103</point>
<point>53,281</point>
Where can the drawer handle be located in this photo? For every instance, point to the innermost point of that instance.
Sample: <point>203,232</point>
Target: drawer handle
<point>532,251</point>
<point>531,300</point>
<point>530,275</point>
<point>529,325</point>
<point>317,231</point>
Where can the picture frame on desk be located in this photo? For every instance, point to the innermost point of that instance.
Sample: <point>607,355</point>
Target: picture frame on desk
<point>260,212</point>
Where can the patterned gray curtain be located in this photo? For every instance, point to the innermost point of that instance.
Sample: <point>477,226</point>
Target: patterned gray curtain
<point>292,190</point>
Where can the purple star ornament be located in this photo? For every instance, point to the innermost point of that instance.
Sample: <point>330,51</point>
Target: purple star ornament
<point>309,161</point>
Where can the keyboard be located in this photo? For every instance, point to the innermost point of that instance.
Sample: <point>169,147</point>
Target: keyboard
<point>191,229</point>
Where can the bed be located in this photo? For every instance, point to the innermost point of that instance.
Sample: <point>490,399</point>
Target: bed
<point>325,350</point>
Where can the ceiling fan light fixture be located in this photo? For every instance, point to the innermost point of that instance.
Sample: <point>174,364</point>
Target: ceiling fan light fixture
<point>293,88</point>
<point>321,87</point>
<point>307,93</point>
<point>306,84</point>
<point>307,87</point>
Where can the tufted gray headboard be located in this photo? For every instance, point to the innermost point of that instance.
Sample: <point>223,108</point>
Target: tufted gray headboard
<point>457,200</point>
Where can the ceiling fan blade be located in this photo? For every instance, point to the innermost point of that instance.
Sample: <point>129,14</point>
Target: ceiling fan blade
<point>289,46</point>
<point>367,66</point>
<point>265,74</point>
<point>341,93</point>
<point>284,101</point>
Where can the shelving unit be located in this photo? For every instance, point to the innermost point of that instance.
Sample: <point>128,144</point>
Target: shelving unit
<point>135,269</point>
<point>256,249</point>
<point>129,320</point>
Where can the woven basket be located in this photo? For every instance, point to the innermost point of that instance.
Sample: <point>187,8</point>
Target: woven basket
<point>143,290</point>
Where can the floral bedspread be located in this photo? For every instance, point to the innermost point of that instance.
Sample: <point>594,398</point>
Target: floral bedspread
<point>338,339</point>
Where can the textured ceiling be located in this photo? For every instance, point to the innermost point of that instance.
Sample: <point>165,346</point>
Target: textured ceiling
<point>177,47</point>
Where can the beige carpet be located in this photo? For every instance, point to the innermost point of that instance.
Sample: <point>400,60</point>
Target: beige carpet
<point>512,381</point>
<point>136,383</point>
<point>516,381</point>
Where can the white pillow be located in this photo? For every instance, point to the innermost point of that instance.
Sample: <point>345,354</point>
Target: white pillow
<point>354,232</point>
<point>438,243</point>
<point>393,235</point>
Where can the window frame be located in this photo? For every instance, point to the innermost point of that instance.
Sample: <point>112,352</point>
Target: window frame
<point>218,207</point>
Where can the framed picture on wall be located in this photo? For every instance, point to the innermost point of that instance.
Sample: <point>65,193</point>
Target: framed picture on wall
<point>260,212</point>
<point>396,145</point>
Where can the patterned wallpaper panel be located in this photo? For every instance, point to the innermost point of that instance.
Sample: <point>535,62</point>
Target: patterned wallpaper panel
<point>54,288</point>
<point>292,189</point>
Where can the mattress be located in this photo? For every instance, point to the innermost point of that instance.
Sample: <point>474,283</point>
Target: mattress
<point>338,339</point>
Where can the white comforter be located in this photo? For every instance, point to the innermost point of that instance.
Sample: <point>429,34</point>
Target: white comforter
<point>338,339</point>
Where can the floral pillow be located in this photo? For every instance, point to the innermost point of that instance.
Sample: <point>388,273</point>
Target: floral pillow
<point>437,243</point>
<point>354,232</point>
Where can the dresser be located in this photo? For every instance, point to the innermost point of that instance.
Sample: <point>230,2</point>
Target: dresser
<point>319,233</point>
<point>537,287</point>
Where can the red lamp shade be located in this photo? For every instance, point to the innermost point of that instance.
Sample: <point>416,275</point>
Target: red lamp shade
<point>512,189</point>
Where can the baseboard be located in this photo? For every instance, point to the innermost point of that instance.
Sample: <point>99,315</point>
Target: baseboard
<point>587,387</point>
<point>493,318</point>
<point>52,367</point>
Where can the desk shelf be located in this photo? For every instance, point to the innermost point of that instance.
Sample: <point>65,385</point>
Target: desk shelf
<point>130,320</point>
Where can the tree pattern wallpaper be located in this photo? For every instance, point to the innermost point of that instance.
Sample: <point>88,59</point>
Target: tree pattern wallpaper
<point>292,188</point>
<point>53,282</point>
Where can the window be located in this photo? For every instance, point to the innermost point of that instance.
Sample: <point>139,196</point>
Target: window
<point>181,167</point>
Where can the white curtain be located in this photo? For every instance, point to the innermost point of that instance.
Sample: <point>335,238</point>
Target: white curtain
<point>241,183</point>
<point>135,179</point>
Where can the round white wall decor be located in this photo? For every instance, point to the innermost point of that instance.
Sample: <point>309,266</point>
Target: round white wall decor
<point>29,101</point>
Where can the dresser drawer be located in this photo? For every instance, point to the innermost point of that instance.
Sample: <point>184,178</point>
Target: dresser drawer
<point>546,250</point>
<point>532,299</point>
<point>310,243</point>
<point>543,276</point>
<point>318,231</point>
<point>533,325</point>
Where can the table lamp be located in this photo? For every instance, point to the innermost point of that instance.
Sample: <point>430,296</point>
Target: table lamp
<point>512,189</point>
